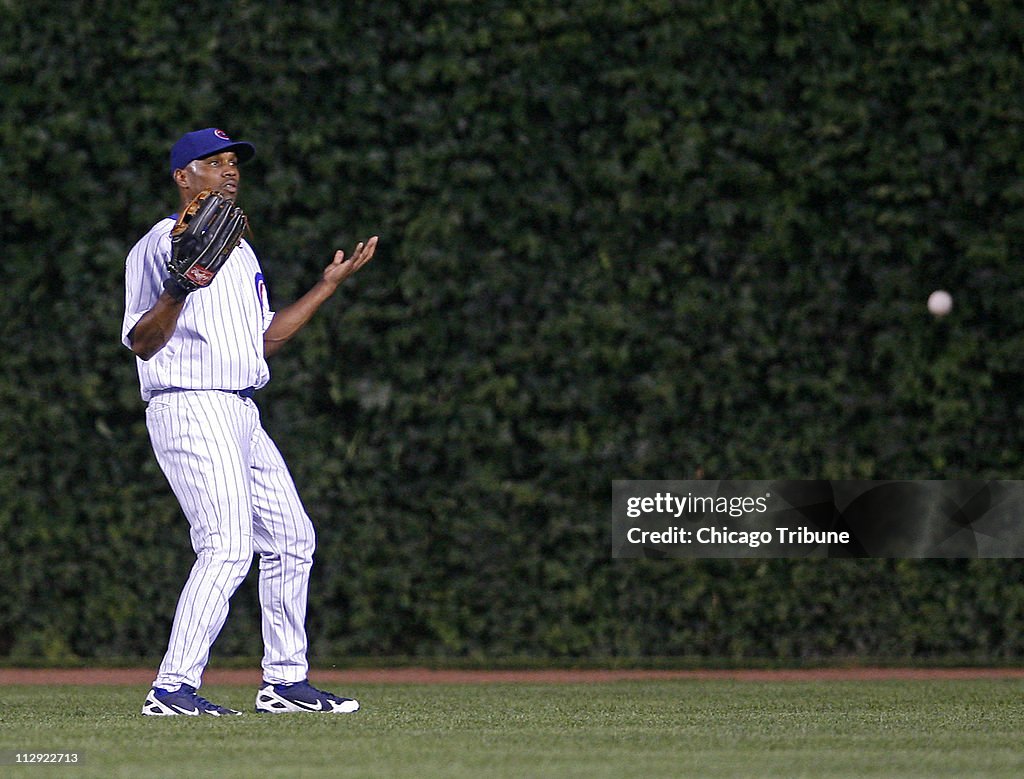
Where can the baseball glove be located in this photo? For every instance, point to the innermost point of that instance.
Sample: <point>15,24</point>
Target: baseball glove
<point>207,231</point>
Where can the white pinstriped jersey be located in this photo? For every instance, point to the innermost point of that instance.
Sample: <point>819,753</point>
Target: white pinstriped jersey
<point>218,341</point>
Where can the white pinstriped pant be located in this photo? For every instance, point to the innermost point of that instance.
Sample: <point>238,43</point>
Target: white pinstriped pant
<point>239,498</point>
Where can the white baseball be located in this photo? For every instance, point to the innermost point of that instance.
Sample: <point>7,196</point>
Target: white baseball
<point>940,302</point>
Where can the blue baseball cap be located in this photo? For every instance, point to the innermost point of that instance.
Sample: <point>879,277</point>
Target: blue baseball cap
<point>203,143</point>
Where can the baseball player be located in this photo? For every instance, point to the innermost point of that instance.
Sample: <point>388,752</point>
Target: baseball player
<point>201,330</point>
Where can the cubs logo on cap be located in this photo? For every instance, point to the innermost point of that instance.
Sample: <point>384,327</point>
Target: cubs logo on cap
<point>202,143</point>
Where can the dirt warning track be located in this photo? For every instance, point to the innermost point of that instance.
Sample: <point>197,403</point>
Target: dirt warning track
<point>143,677</point>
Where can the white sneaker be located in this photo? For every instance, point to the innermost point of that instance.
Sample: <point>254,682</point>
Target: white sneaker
<point>183,701</point>
<point>301,696</point>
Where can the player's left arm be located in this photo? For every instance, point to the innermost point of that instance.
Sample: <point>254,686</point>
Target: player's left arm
<point>291,319</point>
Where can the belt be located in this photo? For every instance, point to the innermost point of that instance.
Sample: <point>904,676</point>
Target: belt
<point>246,393</point>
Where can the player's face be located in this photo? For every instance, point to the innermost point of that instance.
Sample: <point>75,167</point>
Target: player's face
<point>218,172</point>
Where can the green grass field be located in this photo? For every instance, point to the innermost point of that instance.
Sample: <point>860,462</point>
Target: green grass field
<point>621,730</point>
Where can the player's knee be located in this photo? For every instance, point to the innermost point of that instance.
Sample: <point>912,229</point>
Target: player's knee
<point>235,559</point>
<point>303,544</point>
<point>304,547</point>
<point>239,566</point>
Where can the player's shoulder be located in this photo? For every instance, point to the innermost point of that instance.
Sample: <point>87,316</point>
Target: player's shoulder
<point>156,239</point>
<point>246,249</point>
<point>162,227</point>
